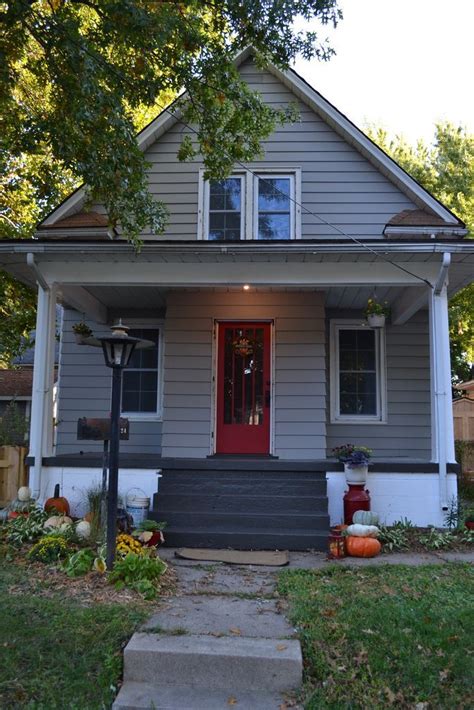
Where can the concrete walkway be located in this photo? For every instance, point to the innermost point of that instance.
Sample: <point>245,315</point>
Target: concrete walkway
<point>222,640</point>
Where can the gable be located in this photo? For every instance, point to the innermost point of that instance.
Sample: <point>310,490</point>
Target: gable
<point>344,193</point>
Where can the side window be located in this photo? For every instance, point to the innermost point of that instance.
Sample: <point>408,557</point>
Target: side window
<point>140,383</point>
<point>357,374</point>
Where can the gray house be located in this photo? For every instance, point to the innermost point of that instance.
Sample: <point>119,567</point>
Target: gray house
<point>263,360</point>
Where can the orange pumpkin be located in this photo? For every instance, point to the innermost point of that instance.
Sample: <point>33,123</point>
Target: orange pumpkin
<point>362,546</point>
<point>57,504</point>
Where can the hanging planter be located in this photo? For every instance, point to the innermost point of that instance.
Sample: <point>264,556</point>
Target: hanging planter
<point>81,332</point>
<point>376,313</point>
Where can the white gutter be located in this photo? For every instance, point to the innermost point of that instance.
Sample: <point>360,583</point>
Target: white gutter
<point>442,379</point>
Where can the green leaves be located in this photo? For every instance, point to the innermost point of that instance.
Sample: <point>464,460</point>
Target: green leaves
<point>139,572</point>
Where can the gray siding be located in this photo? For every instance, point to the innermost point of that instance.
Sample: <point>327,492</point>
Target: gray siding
<point>338,184</point>
<point>407,433</point>
<point>85,390</point>
<point>299,426</point>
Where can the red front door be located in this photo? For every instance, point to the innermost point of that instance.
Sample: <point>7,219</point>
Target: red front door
<point>243,388</point>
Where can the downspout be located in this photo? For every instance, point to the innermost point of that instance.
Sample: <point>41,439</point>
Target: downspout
<point>442,379</point>
<point>39,379</point>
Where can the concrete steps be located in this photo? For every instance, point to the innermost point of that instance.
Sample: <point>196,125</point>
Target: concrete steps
<point>243,505</point>
<point>144,696</point>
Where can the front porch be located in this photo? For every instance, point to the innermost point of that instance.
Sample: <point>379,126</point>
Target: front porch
<point>187,293</point>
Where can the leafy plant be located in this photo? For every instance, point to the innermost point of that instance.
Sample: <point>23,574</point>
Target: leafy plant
<point>404,524</point>
<point>79,563</point>
<point>352,455</point>
<point>49,549</point>
<point>82,328</point>
<point>454,516</point>
<point>393,538</point>
<point>437,539</point>
<point>13,426</point>
<point>139,572</point>
<point>150,526</point>
<point>26,528</point>
<point>374,308</point>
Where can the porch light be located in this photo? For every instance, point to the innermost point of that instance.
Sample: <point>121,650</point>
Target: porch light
<point>246,287</point>
<point>118,348</point>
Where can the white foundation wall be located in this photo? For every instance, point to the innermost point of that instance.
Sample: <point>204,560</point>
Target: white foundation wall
<point>74,483</point>
<point>395,496</point>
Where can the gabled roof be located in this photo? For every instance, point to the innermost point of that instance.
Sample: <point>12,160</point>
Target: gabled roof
<point>427,203</point>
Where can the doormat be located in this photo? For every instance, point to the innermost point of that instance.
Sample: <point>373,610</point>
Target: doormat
<point>235,557</point>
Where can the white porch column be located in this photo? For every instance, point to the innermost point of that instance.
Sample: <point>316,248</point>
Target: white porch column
<point>441,397</point>
<point>41,424</point>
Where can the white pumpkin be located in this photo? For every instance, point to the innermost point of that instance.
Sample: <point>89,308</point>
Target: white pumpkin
<point>24,493</point>
<point>83,529</point>
<point>53,522</point>
<point>358,530</point>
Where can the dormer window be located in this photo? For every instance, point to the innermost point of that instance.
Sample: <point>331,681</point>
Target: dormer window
<point>261,205</point>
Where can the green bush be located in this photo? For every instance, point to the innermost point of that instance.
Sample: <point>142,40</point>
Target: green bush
<point>26,528</point>
<point>79,563</point>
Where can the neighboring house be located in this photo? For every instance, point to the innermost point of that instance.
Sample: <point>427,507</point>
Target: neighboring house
<point>284,255</point>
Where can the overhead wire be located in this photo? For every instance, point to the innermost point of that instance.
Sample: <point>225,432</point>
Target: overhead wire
<point>163,108</point>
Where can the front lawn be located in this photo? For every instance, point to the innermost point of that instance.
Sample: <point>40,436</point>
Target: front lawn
<point>378,637</point>
<point>58,650</point>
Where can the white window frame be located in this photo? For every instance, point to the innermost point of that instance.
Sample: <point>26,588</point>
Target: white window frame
<point>336,417</point>
<point>249,203</point>
<point>158,415</point>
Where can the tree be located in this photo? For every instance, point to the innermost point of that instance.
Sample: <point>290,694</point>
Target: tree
<point>79,77</point>
<point>446,169</point>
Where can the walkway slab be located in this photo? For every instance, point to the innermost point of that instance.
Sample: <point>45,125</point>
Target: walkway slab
<point>225,580</point>
<point>221,616</point>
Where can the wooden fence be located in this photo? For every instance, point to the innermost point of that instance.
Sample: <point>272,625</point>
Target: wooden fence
<point>13,472</point>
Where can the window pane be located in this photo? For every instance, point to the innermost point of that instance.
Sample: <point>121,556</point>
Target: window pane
<point>273,194</point>
<point>273,226</point>
<point>224,225</point>
<point>225,194</point>
<point>140,379</point>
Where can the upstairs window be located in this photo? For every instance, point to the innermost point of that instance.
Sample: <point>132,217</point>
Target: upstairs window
<point>225,209</point>
<point>140,383</point>
<point>274,207</point>
<point>261,205</point>
<point>357,373</point>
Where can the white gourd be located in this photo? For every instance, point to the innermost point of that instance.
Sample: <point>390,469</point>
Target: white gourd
<point>83,529</point>
<point>24,493</point>
<point>362,530</point>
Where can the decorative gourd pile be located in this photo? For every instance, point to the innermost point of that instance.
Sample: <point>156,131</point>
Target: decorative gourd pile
<point>361,536</point>
<point>22,504</point>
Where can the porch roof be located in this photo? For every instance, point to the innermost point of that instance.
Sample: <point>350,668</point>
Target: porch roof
<point>97,276</point>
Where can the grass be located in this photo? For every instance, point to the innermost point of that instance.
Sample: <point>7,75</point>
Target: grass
<point>386,636</point>
<point>58,652</point>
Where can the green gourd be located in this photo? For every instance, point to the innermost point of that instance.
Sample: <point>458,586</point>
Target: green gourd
<point>365,517</point>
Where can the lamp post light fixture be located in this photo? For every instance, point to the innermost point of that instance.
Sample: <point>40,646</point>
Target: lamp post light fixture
<point>118,348</point>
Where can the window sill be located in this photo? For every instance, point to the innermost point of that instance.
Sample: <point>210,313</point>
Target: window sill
<point>137,417</point>
<point>359,421</point>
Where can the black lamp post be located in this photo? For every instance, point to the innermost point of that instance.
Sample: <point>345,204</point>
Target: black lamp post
<point>118,348</point>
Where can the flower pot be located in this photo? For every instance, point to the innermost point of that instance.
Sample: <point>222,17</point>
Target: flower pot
<point>80,338</point>
<point>356,474</point>
<point>469,524</point>
<point>375,320</point>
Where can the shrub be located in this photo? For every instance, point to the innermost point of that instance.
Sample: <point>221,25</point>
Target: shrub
<point>49,549</point>
<point>79,563</point>
<point>26,528</point>
<point>138,572</point>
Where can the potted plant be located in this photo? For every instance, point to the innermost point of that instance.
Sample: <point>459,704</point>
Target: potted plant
<point>376,313</point>
<point>355,460</point>
<point>81,331</point>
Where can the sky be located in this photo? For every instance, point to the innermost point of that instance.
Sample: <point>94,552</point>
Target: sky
<point>400,64</point>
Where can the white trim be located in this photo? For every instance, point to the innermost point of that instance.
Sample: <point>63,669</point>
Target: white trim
<point>336,325</point>
<point>249,202</point>
<point>150,324</point>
